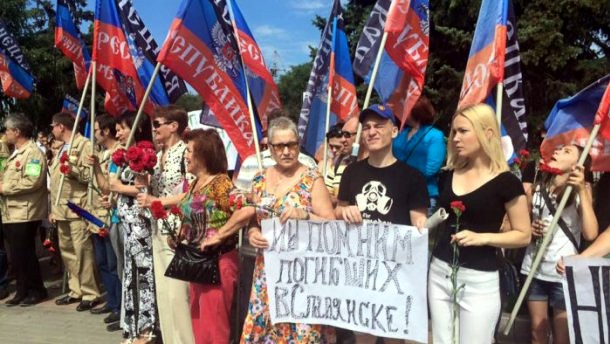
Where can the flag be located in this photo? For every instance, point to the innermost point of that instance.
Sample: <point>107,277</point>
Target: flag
<point>11,48</point>
<point>332,66</point>
<point>485,67</point>
<point>402,68</point>
<point>262,87</point>
<point>571,120</point>
<point>70,105</point>
<point>201,49</point>
<point>17,80</point>
<point>116,72</point>
<point>514,125</point>
<point>168,87</point>
<point>602,116</point>
<point>68,41</point>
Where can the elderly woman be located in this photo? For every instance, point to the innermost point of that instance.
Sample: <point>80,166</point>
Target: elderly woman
<point>205,207</point>
<point>293,192</point>
<point>22,187</point>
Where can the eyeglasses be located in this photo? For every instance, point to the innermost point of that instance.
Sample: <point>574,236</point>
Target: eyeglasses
<point>339,133</point>
<point>279,147</point>
<point>157,124</point>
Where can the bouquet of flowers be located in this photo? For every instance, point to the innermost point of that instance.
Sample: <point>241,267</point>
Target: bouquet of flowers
<point>159,212</point>
<point>141,157</point>
<point>521,161</point>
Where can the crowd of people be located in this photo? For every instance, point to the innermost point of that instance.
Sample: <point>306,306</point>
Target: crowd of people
<point>141,251</point>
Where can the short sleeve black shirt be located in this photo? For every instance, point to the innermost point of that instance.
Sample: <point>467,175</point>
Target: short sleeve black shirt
<point>485,210</point>
<point>384,194</point>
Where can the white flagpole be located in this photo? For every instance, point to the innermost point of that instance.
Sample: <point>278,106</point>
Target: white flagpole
<point>499,95</point>
<point>550,234</point>
<point>369,91</point>
<point>74,128</point>
<point>140,112</point>
<point>92,135</point>
<point>249,99</point>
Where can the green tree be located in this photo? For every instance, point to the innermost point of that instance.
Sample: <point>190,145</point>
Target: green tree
<point>190,102</point>
<point>291,87</point>
<point>32,23</point>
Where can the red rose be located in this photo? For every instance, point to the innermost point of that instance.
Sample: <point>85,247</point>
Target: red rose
<point>134,153</point>
<point>175,210</point>
<point>64,158</point>
<point>150,159</point>
<point>65,169</point>
<point>158,210</point>
<point>146,145</point>
<point>103,232</point>
<point>458,207</point>
<point>524,153</point>
<point>118,157</point>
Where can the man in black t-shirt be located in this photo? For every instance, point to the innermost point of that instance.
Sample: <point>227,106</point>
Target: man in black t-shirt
<point>381,188</point>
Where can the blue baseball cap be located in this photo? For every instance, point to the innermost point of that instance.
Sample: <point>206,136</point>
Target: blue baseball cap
<point>379,110</point>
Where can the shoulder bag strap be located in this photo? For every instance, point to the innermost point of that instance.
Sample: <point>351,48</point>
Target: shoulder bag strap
<point>561,222</point>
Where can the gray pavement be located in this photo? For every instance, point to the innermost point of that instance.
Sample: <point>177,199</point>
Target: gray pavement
<point>48,323</point>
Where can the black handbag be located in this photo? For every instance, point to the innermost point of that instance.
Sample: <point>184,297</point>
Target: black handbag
<point>192,265</point>
<point>510,284</point>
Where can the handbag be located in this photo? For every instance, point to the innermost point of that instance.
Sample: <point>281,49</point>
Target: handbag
<point>510,284</point>
<point>192,265</point>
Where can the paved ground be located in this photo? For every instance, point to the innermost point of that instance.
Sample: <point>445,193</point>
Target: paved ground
<point>47,323</point>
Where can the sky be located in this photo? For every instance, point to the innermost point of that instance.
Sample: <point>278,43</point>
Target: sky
<point>282,26</point>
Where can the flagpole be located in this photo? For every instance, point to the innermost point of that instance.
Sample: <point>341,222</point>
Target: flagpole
<point>369,91</point>
<point>78,112</point>
<point>552,229</point>
<point>328,104</point>
<point>92,135</point>
<point>499,94</point>
<point>138,118</point>
<point>257,148</point>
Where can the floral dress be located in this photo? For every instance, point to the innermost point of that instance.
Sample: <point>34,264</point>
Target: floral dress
<point>139,302</point>
<point>257,326</point>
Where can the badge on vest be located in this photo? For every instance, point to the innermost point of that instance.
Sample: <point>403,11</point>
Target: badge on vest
<point>33,168</point>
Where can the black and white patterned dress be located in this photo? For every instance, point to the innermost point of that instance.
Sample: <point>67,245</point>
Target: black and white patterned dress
<point>139,301</point>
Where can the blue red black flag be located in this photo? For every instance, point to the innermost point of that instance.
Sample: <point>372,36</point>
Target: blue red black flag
<point>15,75</point>
<point>263,90</point>
<point>201,49</point>
<point>485,67</point>
<point>168,87</point>
<point>338,74</point>
<point>571,121</point>
<point>68,41</point>
<point>402,68</point>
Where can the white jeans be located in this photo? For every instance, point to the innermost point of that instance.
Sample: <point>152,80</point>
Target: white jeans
<point>479,304</point>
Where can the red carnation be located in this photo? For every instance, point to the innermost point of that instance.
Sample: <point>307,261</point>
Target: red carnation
<point>524,153</point>
<point>47,243</point>
<point>103,232</point>
<point>136,166</point>
<point>51,249</point>
<point>146,145</point>
<point>458,207</point>
<point>65,169</point>
<point>158,210</point>
<point>544,167</point>
<point>232,200</point>
<point>517,162</point>
<point>175,210</point>
<point>133,153</point>
<point>240,203</point>
<point>64,158</point>
<point>118,157</point>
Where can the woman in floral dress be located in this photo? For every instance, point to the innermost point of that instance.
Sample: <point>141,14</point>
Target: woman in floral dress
<point>291,191</point>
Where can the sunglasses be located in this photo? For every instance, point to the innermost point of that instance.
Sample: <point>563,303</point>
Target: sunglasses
<point>339,133</point>
<point>157,124</point>
<point>279,147</point>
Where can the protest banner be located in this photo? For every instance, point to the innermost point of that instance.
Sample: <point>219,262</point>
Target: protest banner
<point>586,289</point>
<point>367,278</point>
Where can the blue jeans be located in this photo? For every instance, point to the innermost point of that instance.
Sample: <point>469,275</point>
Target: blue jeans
<point>107,266</point>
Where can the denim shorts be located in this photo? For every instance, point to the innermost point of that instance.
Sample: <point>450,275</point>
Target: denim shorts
<point>547,291</point>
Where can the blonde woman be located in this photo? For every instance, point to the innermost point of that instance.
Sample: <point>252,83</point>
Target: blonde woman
<point>477,176</point>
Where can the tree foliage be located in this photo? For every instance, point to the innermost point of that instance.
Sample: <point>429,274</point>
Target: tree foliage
<point>564,47</point>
